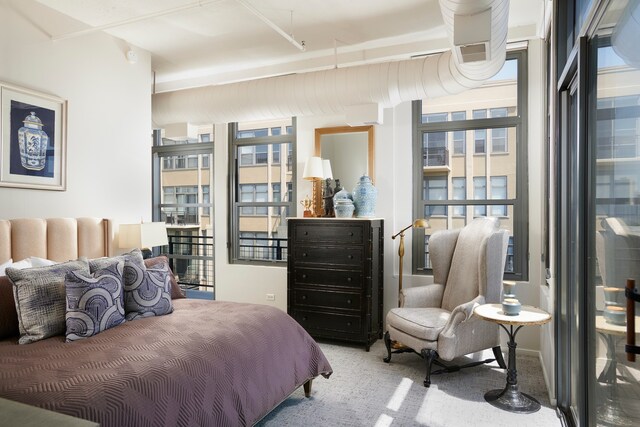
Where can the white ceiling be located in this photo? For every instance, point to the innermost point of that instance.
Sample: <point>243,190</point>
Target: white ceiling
<point>219,41</point>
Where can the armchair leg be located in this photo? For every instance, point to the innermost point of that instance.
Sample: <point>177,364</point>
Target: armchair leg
<point>497,352</point>
<point>429,356</point>
<point>387,343</point>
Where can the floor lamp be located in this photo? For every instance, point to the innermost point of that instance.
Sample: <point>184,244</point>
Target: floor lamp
<point>418,223</point>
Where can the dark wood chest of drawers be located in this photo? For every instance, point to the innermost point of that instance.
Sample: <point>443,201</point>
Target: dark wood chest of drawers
<point>334,275</point>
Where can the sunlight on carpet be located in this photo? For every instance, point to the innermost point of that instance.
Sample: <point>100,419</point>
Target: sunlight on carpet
<point>365,391</point>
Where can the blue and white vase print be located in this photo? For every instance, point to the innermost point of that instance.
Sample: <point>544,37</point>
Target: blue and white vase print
<point>33,142</point>
<point>365,196</point>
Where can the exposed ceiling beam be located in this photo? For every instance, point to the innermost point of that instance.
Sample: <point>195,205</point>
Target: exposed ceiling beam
<point>270,23</point>
<point>133,19</point>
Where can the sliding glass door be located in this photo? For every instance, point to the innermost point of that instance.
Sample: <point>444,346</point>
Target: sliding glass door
<point>614,227</point>
<point>598,218</point>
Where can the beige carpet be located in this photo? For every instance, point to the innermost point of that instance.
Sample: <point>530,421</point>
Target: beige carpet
<point>365,391</point>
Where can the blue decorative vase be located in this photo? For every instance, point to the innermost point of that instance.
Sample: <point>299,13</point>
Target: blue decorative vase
<point>344,208</point>
<point>33,142</point>
<point>364,198</point>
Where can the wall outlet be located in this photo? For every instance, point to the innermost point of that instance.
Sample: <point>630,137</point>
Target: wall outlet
<point>271,297</point>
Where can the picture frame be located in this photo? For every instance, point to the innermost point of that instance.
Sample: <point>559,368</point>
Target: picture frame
<point>33,139</point>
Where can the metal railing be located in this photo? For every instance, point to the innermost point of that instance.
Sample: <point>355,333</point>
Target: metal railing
<point>263,248</point>
<point>191,259</point>
<point>435,157</point>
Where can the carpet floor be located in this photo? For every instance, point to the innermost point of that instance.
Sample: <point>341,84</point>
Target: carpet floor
<point>365,391</point>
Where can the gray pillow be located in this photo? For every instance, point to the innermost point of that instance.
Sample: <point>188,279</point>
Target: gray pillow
<point>40,299</point>
<point>94,301</point>
<point>150,296</point>
<point>133,266</point>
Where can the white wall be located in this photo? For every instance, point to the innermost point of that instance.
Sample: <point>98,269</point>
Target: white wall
<point>108,124</point>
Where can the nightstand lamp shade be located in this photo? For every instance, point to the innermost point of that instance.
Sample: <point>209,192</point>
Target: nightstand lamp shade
<point>326,169</point>
<point>144,236</point>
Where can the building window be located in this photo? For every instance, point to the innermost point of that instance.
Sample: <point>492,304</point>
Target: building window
<point>479,193</point>
<point>459,136</point>
<point>459,193</point>
<point>259,208</point>
<point>483,180</point>
<point>435,188</point>
<point>499,192</point>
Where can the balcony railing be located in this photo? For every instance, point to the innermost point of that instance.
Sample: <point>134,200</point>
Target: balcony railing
<point>263,248</point>
<point>435,157</point>
<point>191,259</point>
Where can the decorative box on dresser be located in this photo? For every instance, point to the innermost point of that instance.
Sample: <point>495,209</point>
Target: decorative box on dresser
<point>334,273</point>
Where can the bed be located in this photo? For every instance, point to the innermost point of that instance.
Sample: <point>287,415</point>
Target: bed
<point>209,363</point>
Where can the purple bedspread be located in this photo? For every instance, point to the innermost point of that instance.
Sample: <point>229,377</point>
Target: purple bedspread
<point>208,363</point>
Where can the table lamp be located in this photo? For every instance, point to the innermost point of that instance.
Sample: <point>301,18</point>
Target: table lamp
<point>314,172</point>
<point>418,223</point>
<point>144,236</point>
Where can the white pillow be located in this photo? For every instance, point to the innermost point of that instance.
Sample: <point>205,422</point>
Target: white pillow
<point>41,262</point>
<point>25,263</point>
<point>3,266</point>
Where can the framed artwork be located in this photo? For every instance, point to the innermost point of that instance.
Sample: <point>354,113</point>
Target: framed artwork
<point>33,138</point>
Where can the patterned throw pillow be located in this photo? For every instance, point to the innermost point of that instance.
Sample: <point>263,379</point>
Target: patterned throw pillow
<point>94,301</point>
<point>149,294</point>
<point>176,291</point>
<point>40,299</point>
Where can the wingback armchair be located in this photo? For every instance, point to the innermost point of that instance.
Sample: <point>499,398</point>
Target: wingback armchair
<point>436,321</point>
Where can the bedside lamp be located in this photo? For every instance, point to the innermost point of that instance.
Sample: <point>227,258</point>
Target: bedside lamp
<point>314,172</point>
<point>418,223</point>
<point>144,236</point>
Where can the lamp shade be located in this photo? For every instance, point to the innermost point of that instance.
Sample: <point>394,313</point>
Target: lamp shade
<point>313,169</point>
<point>145,235</point>
<point>326,168</point>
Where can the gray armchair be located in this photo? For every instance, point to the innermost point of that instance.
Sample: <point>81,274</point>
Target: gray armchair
<point>436,321</point>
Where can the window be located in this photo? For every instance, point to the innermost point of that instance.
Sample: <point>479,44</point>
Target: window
<point>459,136</point>
<point>182,183</point>
<point>459,193</point>
<point>479,193</point>
<point>435,188</point>
<point>485,178</point>
<point>498,192</point>
<point>261,189</point>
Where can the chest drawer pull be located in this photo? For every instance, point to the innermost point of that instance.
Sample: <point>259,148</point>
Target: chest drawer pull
<point>304,254</point>
<point>351,234</point>
<point>304,297</point>
<point>348,323</point>
<point>306,233</point>
<point>350,256</point>
<point>349,279</point>
<point>304,276</point>
<point>348,301</point>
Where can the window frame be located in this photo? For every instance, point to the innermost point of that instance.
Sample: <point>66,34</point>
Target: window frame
<point>235,205</point>
<point>520,204</point>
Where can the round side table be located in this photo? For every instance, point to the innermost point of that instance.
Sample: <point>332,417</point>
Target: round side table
<point>511,398</point>
<point>611,412</point>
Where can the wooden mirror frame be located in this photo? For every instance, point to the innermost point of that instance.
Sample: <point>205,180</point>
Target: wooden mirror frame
<point>369,129</point>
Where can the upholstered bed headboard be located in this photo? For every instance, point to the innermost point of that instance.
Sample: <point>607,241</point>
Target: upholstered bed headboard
<point>57,239</point>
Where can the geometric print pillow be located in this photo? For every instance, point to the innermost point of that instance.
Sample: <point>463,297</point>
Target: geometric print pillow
<point>94,301</point>
<point>147,292</point>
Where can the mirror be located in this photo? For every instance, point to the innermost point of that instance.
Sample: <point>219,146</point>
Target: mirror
<point>350,150</point>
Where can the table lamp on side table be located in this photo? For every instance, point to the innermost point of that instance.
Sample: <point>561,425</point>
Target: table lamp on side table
<point>144,236</point>
<point>314,172</point>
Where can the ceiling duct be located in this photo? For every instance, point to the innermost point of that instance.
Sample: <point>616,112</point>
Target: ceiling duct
<point>332,91</point>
